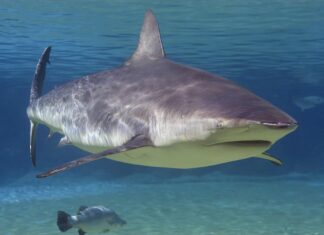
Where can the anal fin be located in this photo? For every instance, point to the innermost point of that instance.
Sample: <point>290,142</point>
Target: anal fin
<point>270,158</point>
<point>64,141</point>
<point>136,142</point>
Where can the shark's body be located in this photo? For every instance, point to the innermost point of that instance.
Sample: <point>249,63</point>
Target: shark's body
<point>152,111</point>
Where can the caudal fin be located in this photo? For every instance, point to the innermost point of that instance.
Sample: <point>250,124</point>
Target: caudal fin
<point>63,221</point>
<point>37,85</point>
<point>35,93</point>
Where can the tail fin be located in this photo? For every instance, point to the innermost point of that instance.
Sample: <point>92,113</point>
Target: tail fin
<point>36,92</point>
<point>37,85</point>
<point>63,221</point>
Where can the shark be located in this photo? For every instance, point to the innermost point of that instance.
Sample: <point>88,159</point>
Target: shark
<point>155,112</point>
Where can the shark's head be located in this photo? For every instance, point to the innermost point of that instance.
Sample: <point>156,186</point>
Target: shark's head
<point>249,119</point>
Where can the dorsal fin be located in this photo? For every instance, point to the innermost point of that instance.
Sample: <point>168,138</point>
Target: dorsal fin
<point>150,43</point>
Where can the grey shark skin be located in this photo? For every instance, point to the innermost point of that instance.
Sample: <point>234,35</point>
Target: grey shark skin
<point>155,112</point>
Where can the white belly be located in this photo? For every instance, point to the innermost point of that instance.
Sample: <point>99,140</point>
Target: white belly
<point>190,155</point>
<point>224,146</point>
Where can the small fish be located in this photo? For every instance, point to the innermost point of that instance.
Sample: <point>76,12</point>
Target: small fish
<point>97,219</point>
<point>308,102</point>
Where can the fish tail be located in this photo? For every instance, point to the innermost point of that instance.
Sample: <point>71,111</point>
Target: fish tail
<point>35,93</point>
<point>63,221</point>
<point>37,84</point>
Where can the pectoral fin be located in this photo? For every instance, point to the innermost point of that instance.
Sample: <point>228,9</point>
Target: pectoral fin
<point>134,143</point>
<point>270,158</point>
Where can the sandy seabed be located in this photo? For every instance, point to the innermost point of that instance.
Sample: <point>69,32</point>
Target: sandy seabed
<point>209,205</point>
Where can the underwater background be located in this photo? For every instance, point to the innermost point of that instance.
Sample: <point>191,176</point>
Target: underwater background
<point>273,48</point>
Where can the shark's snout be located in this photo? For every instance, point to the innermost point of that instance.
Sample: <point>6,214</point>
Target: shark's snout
<point>273,118</point>
<point>278,125</point>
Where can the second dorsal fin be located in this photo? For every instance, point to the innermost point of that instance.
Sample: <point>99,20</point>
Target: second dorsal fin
<point>150,44</point>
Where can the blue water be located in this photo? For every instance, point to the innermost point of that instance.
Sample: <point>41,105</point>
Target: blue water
<point>273,48</point>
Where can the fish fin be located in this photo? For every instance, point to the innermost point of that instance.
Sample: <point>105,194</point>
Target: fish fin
<point>270,158</point>
<point>81,232</point>
<point>35,93</point>
<point>37,84</point>
<point>50,134</point>
<point>136,142</point>
<point>150,43</point>
<point>63,221</point>
<point>64,141</point>
<point>81,208</point>
<point>32,142</point>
